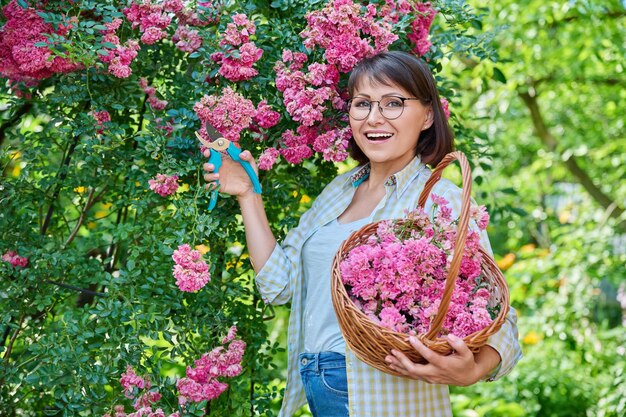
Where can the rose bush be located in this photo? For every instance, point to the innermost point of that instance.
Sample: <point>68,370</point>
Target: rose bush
<point>112,260</point>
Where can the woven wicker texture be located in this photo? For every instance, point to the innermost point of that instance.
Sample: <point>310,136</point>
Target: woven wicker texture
<point>371,342</point>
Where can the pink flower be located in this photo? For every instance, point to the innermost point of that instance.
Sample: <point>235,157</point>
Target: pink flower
<point>190,271</point>
<point>268,158</point>
<point>187,39</point>
<point>164,185</point>
<point>14,259</point>
<point>265,116</point>
<point>397,276</point>
<point>446,107</point>
<point>203,382</point>
<point>421,27</point>
<point>20,59</point>
<point>229,114</point>
<point>101,118</point>
<point>130,380</point>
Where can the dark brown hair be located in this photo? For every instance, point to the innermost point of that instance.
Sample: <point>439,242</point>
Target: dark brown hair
<point>413,75</point>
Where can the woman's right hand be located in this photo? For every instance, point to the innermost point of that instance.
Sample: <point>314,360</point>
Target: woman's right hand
<point>233,179</point>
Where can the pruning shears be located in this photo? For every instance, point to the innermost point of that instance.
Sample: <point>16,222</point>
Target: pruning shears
<point>217,146</point>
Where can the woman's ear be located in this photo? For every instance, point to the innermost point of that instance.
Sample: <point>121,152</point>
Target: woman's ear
<point>430,118</point>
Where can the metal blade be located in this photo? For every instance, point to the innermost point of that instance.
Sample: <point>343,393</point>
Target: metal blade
<point>212,132</point>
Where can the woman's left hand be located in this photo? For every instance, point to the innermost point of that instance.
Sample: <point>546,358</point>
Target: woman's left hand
<point>458,368</point>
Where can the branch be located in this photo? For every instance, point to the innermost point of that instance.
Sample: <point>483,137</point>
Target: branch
<point>24,108</point>
<point>12,341</point>
<point>546,137</point>
<point>72,287</point>
<point>79,223</point>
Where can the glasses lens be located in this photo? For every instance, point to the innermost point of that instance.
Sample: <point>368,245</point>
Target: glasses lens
<point>391,107</point>
<point>359,108</point>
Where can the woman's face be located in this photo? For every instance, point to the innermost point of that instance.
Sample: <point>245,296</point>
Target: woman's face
<point>388,144</point>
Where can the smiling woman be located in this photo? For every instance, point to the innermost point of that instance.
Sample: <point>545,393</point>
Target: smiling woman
<point>393,145</point>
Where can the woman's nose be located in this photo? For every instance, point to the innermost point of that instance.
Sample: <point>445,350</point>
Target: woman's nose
<point>376,114</point>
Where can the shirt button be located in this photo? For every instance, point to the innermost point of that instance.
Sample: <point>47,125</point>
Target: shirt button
<point>304,361</point>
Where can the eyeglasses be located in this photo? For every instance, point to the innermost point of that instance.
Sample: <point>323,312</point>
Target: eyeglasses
<point>391,108</point>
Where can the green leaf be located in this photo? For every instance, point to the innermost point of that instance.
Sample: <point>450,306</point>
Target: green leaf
<point>40,44</point>
<point>499,75</point>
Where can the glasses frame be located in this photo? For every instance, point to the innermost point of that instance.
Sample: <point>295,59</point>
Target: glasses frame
<point>380,109</point>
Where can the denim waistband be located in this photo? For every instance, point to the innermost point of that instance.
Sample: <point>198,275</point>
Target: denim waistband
<point>322,360</point>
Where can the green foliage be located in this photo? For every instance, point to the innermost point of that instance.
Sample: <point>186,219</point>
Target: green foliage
<point>98,292</point>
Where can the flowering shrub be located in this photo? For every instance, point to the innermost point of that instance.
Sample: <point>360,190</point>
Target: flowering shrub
<point>397,278</point>
<point>200,385</point>
<point>100,108</point>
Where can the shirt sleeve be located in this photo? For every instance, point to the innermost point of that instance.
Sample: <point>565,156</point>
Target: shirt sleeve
<point>505,341</point>
<point>275,280</point>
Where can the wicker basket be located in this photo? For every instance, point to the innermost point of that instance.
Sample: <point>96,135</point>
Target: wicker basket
<point>371,342</point>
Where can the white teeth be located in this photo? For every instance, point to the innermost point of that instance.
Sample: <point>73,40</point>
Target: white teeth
<point>378,135</point>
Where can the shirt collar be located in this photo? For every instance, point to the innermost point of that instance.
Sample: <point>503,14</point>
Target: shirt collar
<point>400,179</point>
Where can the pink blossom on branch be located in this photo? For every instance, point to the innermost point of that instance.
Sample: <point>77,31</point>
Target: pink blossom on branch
<point>190,271</point>
<point>345,33</point>
<point>203,381</point>
<point>229,113</point>
<point>14,259</point>
<point>20,59</point>
<point>265,117</point>
<point>130,380</point>
<point>421,27</point>
<point>101,117</point>
<point>164,185</point>
<point>267,159</point>
<point>151,19</point>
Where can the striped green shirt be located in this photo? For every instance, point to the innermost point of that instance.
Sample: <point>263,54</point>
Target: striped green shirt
<point>372,393</point>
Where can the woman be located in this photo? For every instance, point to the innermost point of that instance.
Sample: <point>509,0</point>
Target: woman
<point>398,126</point>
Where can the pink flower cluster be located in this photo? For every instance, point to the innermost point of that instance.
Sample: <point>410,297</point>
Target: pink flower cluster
<point>201,382</point>
<point>333,144</point>
<point>164,185</point>
<point>20,59</point>
<point>118,56</point>
<point>239,53</point>
<point>101,117</point>
<point>131,382</point>
<point>229,113</point>
<point>144,403</point>
<point>190,271</point>
<point>306,94</point>
<point>153,100</point>
<point>425,14</point>
<point>187,39</point>
<point>206,13</point>
<point>346,32</point>
<point>14,259</point>
<point>445,106</point>
<point>268,158</point>
<point>151,18</point>
<point>397,278</point>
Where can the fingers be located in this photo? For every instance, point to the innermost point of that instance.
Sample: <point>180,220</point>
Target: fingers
<point>459,346</point>
<point>429,355</point>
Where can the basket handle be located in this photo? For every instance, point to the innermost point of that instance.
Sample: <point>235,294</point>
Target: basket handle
<point>461,236</point>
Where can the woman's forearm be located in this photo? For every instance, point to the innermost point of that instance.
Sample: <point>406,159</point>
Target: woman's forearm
<point>486,360</point>
<point>259,237</point>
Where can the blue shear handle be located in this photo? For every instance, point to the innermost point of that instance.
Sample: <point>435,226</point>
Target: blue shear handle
<point>234,152</point>
<point>216,160</point>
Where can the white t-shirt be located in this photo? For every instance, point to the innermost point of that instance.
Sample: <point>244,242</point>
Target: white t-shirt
<point>321,329</point>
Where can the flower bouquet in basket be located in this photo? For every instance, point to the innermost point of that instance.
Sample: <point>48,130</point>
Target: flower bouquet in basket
<point>417,276</point>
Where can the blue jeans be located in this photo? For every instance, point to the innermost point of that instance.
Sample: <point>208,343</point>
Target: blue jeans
<point>325,383</point>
